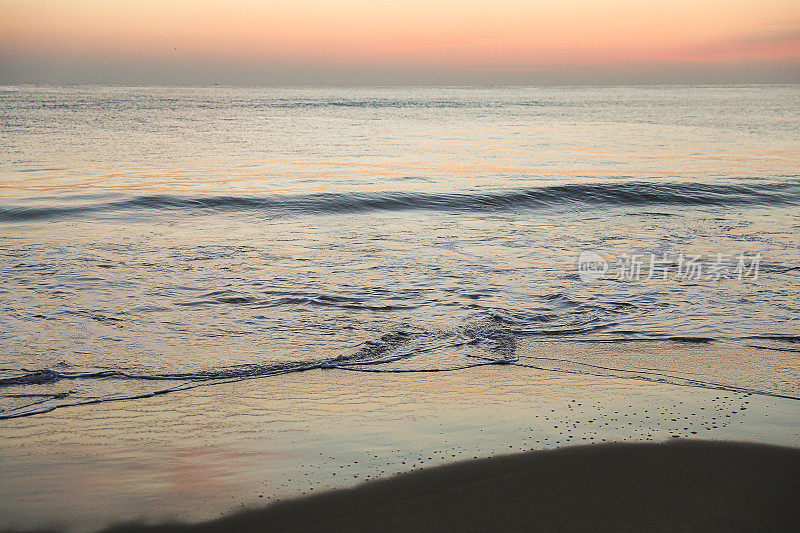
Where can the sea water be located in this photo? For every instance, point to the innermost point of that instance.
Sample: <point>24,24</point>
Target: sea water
<point>159,239</point>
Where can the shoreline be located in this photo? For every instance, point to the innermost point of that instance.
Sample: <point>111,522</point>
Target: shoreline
<point>213,451</point>
<point>207,453</point>
<point>686,485</point>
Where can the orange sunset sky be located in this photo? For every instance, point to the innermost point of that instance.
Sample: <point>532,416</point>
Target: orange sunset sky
<point>399,42</point>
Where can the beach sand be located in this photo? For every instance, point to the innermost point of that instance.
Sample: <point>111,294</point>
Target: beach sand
<point>680,485</point>
<point>200,455</point>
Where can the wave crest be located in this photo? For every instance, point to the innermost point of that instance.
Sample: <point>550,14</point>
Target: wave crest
<point>598,194</point>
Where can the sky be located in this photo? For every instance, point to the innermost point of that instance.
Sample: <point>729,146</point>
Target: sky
<point>399,42</point>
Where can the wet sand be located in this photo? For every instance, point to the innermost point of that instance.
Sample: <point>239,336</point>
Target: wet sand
<point>679,485</point>
<point>211,452</point>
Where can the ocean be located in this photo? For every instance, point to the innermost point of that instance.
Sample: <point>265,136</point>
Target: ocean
<point>155,240</point>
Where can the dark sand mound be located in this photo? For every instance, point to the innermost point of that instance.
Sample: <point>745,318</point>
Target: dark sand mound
<point>679,485</point>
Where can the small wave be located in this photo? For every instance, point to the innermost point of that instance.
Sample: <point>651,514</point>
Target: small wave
<point>488,342</point>
<point>609,194</point>
<point>695,340</point>
<point>775,337</point>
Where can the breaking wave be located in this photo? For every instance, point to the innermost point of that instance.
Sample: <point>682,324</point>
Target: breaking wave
<point>639,193</point>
